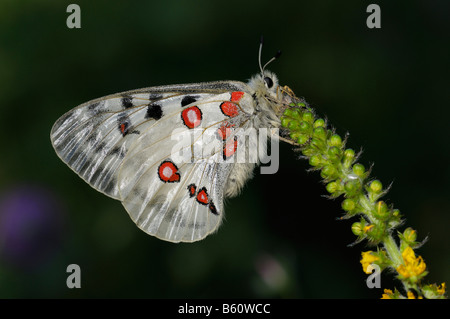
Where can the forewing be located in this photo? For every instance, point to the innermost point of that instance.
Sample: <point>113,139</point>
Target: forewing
<point>94,138</point>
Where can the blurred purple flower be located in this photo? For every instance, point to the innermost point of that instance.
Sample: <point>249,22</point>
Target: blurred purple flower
<point>31,226</point>
<point>272,272</point>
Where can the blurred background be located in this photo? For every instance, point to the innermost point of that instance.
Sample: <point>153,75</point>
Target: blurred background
<point>388,87</point>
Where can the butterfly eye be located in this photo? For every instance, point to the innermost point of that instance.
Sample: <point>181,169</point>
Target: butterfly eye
<point>268,81</point>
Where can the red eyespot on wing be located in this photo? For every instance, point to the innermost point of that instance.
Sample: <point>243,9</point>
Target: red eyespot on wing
<point>191,189</point>
<point>229,109</point>
<point>225,131</point>
<point>168,172</point>
<point>122,128</point>
<point>192,116</point>
<point>202,196</point>
<point>230,148</point>
<point>236,96</point>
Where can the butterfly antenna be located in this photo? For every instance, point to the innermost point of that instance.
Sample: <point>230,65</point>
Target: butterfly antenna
<point>276,56</point>
<point>259,55</point>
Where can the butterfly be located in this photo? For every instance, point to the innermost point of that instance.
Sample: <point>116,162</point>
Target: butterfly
<point>169,153</point>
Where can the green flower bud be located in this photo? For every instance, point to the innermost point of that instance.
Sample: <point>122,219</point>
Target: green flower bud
<point>302,139</point>
<point>352,187</point>
<point>317,143</point>
<point>410,235</point>
<point>320,133</point>
<point>304,126</point>
<point>349,156</point>
<point>376,187</point>
<point>328,171</point>
<point>357,229</point>
<point>335,140</point>
<point>294,135</point>
<point>332,187</point>
<point>288,112</point>
<point>293,113</point>
<point>315,160</point>
<point>297,114</point>
<point>294,125</point>
<point>348,204</point>
<point>291,104</point>
<point>395,219</point>
<point>381,211</point>
<point>359,170</point>
<point>319,123</point>
<point>285,121</point>
<point>301,104</point>
<point>308,117</point>
<point>334,153</point>
<point>309,151</point>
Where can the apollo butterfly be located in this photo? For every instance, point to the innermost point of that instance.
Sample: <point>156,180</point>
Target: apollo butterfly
<point>125,146</point>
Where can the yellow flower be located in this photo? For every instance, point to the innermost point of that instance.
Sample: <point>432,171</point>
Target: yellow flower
<point>412,266</point>
<point>367,259</point>
<point>368,228</point>
<point>434,291</point>
<point>441,289</point>
<point>411,295</point>
<point>387,294</point>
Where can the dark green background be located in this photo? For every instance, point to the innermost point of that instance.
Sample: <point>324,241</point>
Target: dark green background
<point>388,87</point>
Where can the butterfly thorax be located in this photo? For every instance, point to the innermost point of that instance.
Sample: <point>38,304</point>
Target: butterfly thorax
<point>269,100</point>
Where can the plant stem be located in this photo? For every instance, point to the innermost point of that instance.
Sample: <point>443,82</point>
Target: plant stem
<point>393,251</point>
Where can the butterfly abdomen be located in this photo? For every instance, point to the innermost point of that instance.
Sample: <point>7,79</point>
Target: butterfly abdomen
<point>239,175</point>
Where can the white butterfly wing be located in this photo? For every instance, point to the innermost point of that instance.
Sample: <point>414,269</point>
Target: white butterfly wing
<point>93,138</point>
<point>172,212</point>
<point>118,144</point>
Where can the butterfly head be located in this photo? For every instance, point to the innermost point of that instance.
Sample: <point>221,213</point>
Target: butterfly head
<point>266,84</point>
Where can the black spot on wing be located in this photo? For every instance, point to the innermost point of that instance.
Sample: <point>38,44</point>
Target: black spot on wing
<point>93,106</point>
<point>118,151</point>
<point>212,208</point>
<point>92,139</point>
<point>124,125</point>
<point>155,97</point>
<point>93,142</point>
<point>100,147</point>
<point>127,101</point>
<point>154,111</point>
<point>188,99</point>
